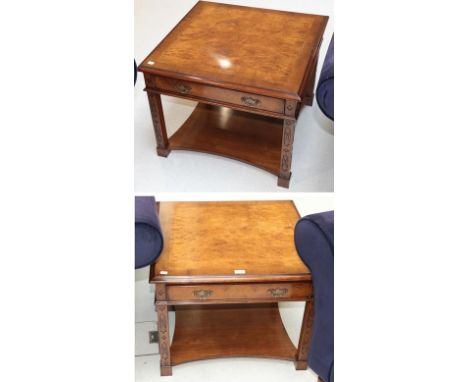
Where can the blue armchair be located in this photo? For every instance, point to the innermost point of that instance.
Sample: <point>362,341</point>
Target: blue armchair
<point>313,237</point>
<point>148,235</point>
<point>325,87</point>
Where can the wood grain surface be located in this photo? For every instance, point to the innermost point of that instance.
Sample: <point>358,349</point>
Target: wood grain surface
<point>229,97</point>
<point>212,331</point>
<point>241,48</point>
<point>218,239</point>
<point>253,139</point>
<point>223,293</point>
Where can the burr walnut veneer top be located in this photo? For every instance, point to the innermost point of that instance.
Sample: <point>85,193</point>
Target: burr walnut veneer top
<point>240,47</point>
<point>209,241</point>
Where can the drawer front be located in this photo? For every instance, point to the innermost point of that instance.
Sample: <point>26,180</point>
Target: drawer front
<point>184,88</point>
<point>277,291</point>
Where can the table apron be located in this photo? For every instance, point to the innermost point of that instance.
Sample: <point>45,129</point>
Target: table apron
<point>234,293</point>
<point>244,101</point>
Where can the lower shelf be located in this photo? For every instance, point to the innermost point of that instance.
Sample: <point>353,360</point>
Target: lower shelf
<point>241,330</point>
<point>250,138</point>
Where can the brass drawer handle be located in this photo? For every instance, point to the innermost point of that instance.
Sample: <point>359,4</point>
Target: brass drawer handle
<point>278,292</point>
<point>204,293</point>
<point>182,88</point>
<point>249,101</point>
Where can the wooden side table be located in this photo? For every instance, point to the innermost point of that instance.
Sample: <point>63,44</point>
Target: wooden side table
<point>250,69</point>
<point>225,266</point>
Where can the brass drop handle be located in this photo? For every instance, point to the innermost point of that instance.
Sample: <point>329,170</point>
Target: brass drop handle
<point>182,88</point>
<point>249,101</point>
<point>278,292</point>
<point>203,293</point>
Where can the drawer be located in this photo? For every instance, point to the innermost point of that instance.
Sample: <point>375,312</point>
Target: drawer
<point>207,292</point>
<point>192,89</point>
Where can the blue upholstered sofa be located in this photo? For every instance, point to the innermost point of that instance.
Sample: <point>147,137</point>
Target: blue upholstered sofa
<point>314,242</point>
<point>148,234</point>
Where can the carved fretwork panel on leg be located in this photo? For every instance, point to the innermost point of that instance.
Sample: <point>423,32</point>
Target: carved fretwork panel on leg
<point>159,125</point>
<point>164,340</point>
<point>286,153</point>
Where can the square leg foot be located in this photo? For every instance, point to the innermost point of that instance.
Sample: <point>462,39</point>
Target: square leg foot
<point>163,152</point>
<point>309,100</point>
<point>166,371</point>
<point>300,365</point>
<point>283,182</point>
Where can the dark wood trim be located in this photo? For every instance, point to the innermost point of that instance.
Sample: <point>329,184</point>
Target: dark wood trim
<point>290,109</point>
<point>164,339</point>
<point>159,125</point>
<point>297,211</point>
<point>156,208</point>
<point>309,90</point>
<point>231,301</point>
<point>155,279</point>
<point>314,56</point>
<point>286,153</point>
<point>270,92</point>
<point>219,103</point>
<point>305,336</point>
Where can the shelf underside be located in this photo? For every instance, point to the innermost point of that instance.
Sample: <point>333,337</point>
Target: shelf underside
<point>242,330</point>
<point>250,138</point>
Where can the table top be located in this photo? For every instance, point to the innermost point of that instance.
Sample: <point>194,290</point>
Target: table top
<point>238,241</point>
<point>240,48</point>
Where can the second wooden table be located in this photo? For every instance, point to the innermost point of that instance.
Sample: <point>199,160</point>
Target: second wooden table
<point>250,69</point>
<point>225,266</point>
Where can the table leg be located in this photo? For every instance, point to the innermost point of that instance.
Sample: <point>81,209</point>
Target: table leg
<point>305,337</point>
<point>309,96</point>
<point>286,153</point>
<point>158,124</point>
<point>164,340</point>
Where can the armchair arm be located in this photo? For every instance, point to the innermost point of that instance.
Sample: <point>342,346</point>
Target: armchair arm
<point>148,234</point>
<point>325,88</point>
<point>314,242</point>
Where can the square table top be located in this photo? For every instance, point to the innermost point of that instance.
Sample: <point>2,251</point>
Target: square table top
<point>240,48</point>
<point>221,240</point>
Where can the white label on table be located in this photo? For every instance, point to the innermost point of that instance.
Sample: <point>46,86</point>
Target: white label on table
<point>239,271</point>
<point>163,272</point>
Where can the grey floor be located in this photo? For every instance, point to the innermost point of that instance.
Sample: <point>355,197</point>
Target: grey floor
<point>226,370</point>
